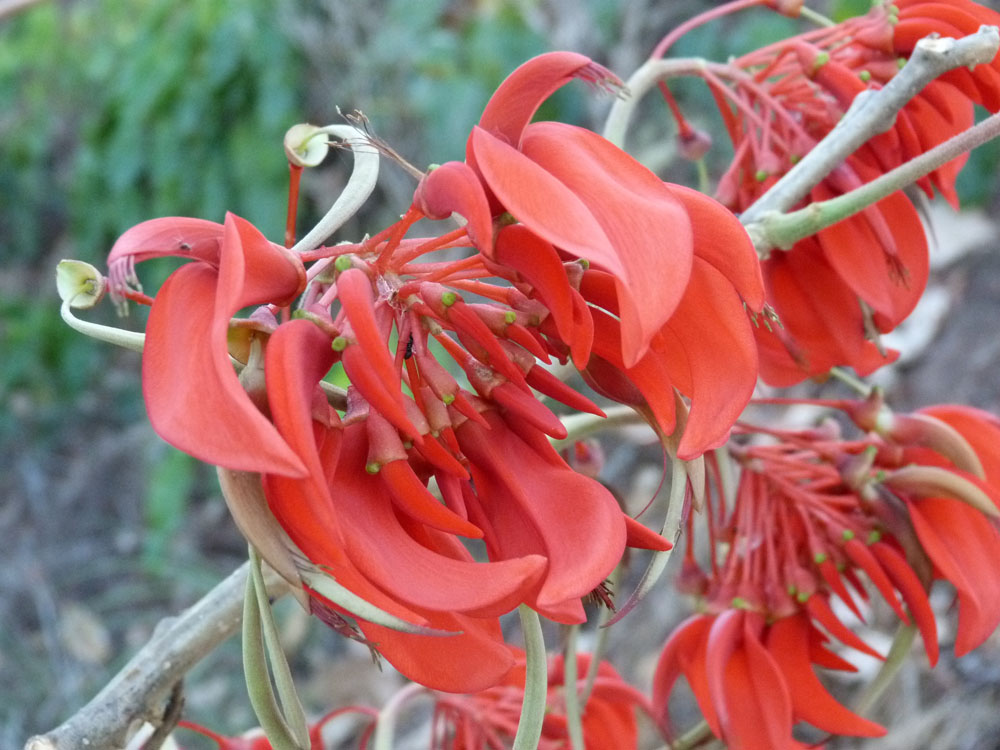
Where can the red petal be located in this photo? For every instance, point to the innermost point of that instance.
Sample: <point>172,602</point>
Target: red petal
<point>193,396</point>
<point>538,507</point>
<point>720,239</point>
<point>179,236</point>
<point>454,187</point>
<point>648,229</point>
<point>724,638</point>
<point>684,653</point>
<point>712,328</point>
<point>914,595</point>
<point>962,544</point>
<point>473,659</point>
<point>788,642</point>
<point>514,103</point>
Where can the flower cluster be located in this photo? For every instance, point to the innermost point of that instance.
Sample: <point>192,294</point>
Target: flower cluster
<point>579,253</point>
<point>835,291</point>
<point>415,508</point>
<point>814,516</point>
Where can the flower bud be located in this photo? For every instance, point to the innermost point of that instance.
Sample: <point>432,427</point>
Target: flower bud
<point>305,145</point>
<point>80,284</point>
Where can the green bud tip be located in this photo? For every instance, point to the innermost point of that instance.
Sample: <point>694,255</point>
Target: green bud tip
<point>874,536</point>
<point>847,536</point>
<point>740,603</point>
<point>339,344</point>
<point>865,76</point>
<point>761,175</point>
<point>802,597</point>
<point>373,467</point>
<point>448,399</point>
<point>432,167</point>
<point>510,317</point>
<point>448,299</point>
<point>792,591</point>
<point>820,557</point>
<point>583,262</point>
<point>342,263</point>
<point>820,60</point>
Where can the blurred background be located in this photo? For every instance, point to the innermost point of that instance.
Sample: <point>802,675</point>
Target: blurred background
<point>112,113</point>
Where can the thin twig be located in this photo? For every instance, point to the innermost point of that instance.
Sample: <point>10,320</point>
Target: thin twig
<point>141,690</point>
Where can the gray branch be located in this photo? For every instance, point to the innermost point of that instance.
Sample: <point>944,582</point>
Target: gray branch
<point>141,690</point>
<point>871,113</point>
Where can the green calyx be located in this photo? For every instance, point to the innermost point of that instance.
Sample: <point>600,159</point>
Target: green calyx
<point>339,344</point>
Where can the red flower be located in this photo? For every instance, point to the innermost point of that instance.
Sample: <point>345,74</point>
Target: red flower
<point>669,269</point>
<point>753,679</point>
<point>814,515</point>
<point>489,719</point>
<point>834,293</point>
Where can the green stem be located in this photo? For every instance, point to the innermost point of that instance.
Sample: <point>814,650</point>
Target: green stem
<point>291,706</point>
<point>851,381</point>
<point>385,724</point>
<point>897,656</point>
<point>692,737</point>
<point>262,699</point>
<point>529,728</point>
<point>784,230</point>
<point>574,720</point>
<point>816,17</point>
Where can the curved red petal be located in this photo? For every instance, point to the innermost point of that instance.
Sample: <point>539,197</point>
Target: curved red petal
<point>721,240</point>
<point>454,187</point>
<point>647,228</point>
<point>788,643</point>
<point>536,506</point>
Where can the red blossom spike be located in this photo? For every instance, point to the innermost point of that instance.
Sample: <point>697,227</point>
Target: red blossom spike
<point>372,388</point>
<point>545,382</point>
<point>863,557</point>
<point>354,290</point>
<point>537,262</point>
